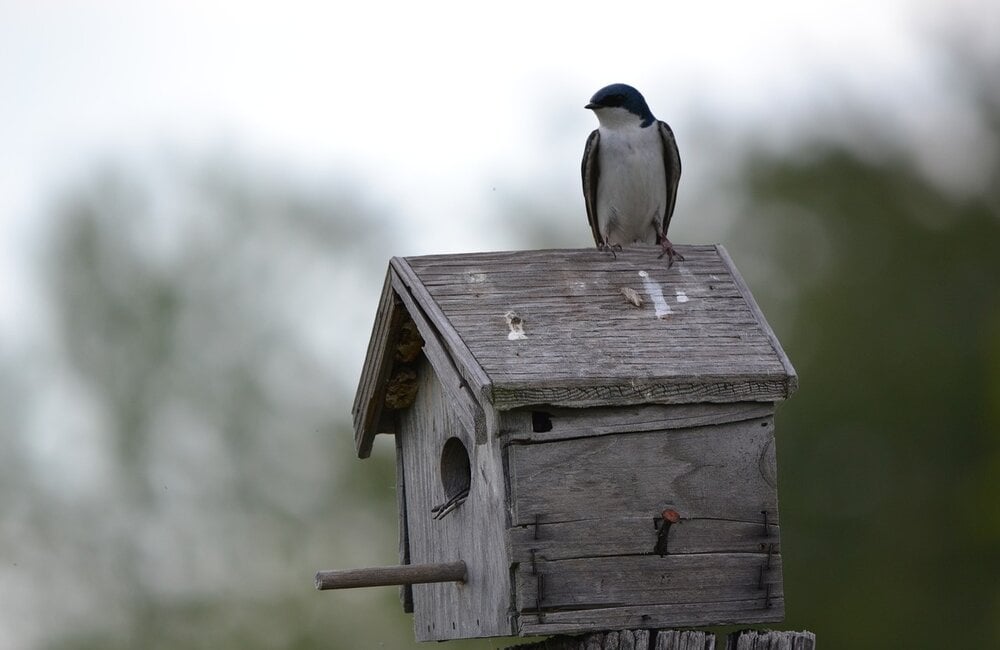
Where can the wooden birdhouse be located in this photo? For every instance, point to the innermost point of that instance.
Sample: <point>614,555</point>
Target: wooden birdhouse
<point>584,441</point>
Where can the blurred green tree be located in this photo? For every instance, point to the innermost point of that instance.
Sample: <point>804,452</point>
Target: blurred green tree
<point>201,314</point>
<point>885,290</point>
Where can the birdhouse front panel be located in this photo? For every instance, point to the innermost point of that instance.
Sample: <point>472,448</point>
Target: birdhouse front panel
<point>643,516</point>
<point>454,502</point>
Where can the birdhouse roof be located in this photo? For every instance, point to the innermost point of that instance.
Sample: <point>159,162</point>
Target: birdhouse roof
<point>574,328</point>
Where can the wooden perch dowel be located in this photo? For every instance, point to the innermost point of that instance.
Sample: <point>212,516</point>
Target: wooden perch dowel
<point>405,574</point>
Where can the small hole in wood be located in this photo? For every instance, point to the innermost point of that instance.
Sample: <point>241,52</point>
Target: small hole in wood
<point>541,421</point>
<point>456,474</point>
<point>453,625</point>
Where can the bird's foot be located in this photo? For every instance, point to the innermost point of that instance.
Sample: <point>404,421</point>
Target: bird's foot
<point>668,250</point>
<point>611,248</point>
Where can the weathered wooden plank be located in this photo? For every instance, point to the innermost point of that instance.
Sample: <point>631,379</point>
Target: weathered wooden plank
<point>483,312</point>
<point>698,337</point>
<point>463,358</point>
<point>558,258</point>
<point>793,378</point>
<point>562,261</point>
<point>669,350</point>
<point>595,287</point>
<point>606,369</point>
<point>467,406</point>
<point>611,316</point>
<point>684,640</point>
<point>629,366</point>
<point>771,640</point>
<point>405,591</point>
<point>723,472</point>
<point>577,392</point>
<point>599,296</point>
<point>496,287</point>
<point>705,329</point>
<point>694,614</point>
<point>610,308</point>
<point>474,532</point>
<point>561,423</point>
<point>614,536</point>
<point>626,368</point>
<point>677,640</point>
<point>367,409</point>
<point>517,358</point>
<point>707,320</point>
<point>641,639</point>
<point>594,583</point>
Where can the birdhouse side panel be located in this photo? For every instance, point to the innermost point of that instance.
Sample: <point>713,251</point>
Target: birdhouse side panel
<point>676,525</point>
<point>440,462</point>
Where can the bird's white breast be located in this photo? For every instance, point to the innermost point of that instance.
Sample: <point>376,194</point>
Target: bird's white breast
<point>632,188</point>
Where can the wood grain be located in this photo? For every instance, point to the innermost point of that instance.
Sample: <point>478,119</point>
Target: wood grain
<point>368,400</point>
<point>695,614</point>
<point>463,358</point>
<point>474,532</point>
<point>676,640</point>
<point>587,346</point>
<point>614,536</point>
<point>467,407</point>
<point>405,591</point>
<point>771,640</point>
<point>684,640</point>
<point>725,472</point>
<point>517,425</point>
<point>629,581</point>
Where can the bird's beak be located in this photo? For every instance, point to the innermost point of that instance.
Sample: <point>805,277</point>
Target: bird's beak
<point>591,106</point>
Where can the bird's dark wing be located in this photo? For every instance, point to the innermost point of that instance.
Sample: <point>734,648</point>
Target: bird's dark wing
<point>591,172</point>
<point>672,166</point>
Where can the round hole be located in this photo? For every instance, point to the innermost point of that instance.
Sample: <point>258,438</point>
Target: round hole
<point>455,471</point>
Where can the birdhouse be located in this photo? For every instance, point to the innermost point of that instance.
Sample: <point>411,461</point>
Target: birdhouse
<point>584,441</point>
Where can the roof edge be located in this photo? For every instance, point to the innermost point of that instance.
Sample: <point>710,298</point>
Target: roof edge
<point>375,371</point>
<point>467,364</point>
<point>792,383</point>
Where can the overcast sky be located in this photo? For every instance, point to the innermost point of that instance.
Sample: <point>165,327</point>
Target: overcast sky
<point>427,106</point>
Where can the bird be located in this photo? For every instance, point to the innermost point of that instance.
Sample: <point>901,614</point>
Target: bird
<point>631,168</point>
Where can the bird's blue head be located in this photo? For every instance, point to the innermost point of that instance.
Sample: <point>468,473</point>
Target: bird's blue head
<point>622,96</point>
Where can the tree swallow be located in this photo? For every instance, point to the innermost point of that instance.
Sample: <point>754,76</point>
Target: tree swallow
<point>631,168</point>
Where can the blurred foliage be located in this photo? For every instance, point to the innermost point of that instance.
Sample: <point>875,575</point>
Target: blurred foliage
<point>199,316</point>
<point>187,307</point>
<point>885,291</point>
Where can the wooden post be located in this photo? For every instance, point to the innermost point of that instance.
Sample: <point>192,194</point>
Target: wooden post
<point>767,639</point>
<point>405,574</point>
<point>675,640</point>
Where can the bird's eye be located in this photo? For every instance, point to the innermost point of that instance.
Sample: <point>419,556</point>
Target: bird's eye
<point>614,100</point>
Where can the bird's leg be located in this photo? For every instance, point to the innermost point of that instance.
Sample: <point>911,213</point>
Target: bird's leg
<point>605,246</point>
<point>668,250</point>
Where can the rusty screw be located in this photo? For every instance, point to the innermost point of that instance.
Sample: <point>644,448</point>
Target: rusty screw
<point>669,517</point>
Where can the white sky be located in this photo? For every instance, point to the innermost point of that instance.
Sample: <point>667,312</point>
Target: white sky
<point>427,105</point>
